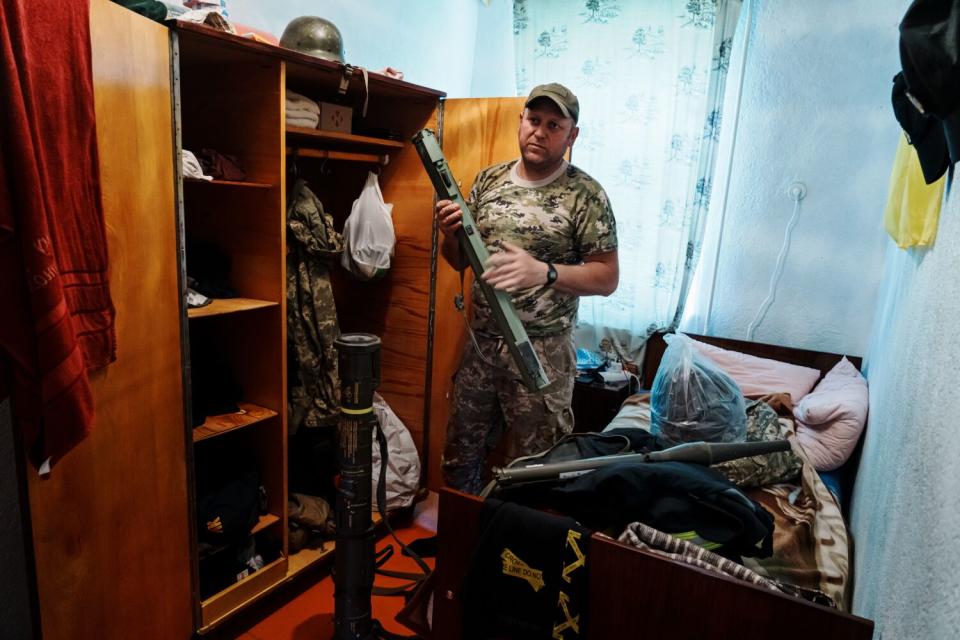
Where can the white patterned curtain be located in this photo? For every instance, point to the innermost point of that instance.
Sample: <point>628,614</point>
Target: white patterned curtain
<point>650,76</point>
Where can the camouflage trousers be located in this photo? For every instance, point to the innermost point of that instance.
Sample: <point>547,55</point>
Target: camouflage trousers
<point>491,404</point>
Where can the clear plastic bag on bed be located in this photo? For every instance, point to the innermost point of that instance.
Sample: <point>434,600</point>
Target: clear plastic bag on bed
<point>693,400</point>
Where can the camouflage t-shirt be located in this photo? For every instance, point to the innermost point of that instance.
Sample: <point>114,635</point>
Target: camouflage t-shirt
<point>560,219</point>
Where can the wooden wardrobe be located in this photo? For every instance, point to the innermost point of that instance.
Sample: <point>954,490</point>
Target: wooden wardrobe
<point>114,533</point>
<point>230,96</point>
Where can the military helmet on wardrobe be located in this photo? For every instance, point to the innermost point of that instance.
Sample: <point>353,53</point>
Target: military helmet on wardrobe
<point>314,36</point>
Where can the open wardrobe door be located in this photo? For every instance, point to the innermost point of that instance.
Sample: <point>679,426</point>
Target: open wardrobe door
<point>477,132</point>
<point>110,531</point>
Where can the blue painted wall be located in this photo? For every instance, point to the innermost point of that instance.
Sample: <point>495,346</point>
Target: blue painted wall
<point>906,506</point>
<point>432,41</point>
<point>815,108</point>
<point>493,58</point>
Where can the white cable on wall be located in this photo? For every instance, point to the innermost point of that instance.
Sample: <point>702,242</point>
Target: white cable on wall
<point>796,191</point>
<point>726,185</point>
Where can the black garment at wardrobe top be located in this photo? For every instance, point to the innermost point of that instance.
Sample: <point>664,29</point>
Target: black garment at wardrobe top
<point>930,56</point>
<point>923,131</point>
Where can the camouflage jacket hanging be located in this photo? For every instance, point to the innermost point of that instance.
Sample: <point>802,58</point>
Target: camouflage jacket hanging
<point>313,245</point>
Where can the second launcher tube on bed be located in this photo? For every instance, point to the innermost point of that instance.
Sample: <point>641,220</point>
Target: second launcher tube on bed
<point>705,453</point>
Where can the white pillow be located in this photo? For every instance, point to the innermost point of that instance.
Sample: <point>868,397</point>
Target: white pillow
<point>760,376</point>
<point>831,418</point>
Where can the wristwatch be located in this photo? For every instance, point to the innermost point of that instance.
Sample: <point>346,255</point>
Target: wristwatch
<point>551,274</point>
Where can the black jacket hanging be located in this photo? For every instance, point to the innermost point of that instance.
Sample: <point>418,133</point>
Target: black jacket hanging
<point>930,55</point>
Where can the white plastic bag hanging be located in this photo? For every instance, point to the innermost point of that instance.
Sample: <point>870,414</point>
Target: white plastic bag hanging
<point>368,235</point>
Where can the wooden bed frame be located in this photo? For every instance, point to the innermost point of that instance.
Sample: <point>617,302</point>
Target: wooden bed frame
<point>637,594</point>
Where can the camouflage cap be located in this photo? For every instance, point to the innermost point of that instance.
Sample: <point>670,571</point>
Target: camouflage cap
<point>560,96</point>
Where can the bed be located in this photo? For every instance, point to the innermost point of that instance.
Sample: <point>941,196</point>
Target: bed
<point>637,593</point>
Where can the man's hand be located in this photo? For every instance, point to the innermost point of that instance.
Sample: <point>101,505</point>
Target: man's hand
<point>513,268</point>
<point>449,217</point>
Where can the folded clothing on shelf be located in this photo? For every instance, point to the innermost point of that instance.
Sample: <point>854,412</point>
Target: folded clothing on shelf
<point>298,102</point>
<point>191,166</point>
<point>308,121</point>
<point>301,111</point>
<point>220,165</point>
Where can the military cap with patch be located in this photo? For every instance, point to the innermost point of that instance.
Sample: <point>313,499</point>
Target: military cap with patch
<point>558,94</point>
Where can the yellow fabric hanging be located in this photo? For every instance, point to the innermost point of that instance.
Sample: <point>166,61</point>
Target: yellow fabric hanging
<point>913,206</point>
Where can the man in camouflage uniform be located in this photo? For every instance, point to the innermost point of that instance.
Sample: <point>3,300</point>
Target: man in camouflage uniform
<point>552,236</point>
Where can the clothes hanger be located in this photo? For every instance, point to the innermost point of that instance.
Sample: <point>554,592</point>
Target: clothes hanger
<point>378,167</point>
<point>292,168</point>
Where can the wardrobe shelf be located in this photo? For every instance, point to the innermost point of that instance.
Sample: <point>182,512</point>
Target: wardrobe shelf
<point>256,585</point>
<point>336,138</point>
<point>265,521</point>
<point>307,557</point>
<point>222,306</point>
<point>216,425</point>
<point>262,523</point>
<point>348,156</point>
<point>229,183</point>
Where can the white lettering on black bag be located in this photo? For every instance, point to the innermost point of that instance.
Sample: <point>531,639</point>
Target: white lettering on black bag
<point>368,233</point>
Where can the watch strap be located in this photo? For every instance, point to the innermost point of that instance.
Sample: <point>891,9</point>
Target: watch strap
<point>551,274</point>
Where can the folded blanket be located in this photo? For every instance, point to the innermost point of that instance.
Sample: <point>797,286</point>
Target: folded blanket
<point>307,123</point>
<point>297,101</point>
<point>301,113</point>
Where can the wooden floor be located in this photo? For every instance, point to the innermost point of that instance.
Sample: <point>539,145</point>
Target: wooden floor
<point>304,610</point>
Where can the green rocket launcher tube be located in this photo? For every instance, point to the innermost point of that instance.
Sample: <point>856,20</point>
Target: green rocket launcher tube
<point>534,377</point>
<point>705,453</point>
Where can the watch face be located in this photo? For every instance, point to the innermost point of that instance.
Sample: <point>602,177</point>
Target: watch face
<point>551,274</point>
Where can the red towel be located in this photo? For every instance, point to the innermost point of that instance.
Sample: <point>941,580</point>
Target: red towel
<point>57,320</point>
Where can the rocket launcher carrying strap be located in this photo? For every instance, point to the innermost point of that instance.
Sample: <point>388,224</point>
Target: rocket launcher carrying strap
<point>515,336</point>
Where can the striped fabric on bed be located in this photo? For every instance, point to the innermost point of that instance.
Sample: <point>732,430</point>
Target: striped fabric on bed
<point>645,537</point>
